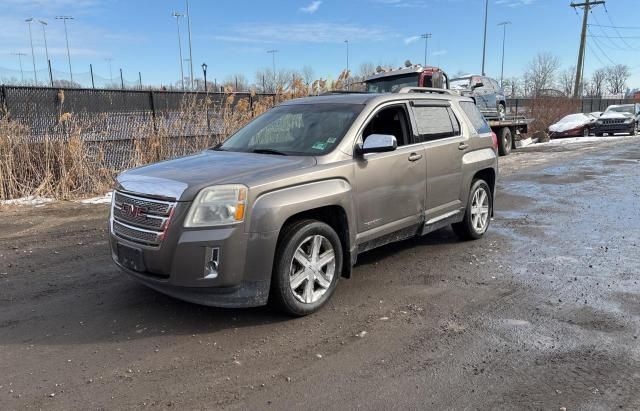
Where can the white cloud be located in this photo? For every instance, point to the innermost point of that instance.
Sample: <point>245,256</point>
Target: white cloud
<point>302,33</point>
<point>312,7</point>
<point>439,53</point>
<point>411,39</point>
<point>513,3</point>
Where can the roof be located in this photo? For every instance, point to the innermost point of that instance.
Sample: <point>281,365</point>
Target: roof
<point>365,98</point>
<point>417,68</point>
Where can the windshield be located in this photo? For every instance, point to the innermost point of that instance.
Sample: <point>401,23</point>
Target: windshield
<point>460,83</point>
<point>621,109</point>
<point>392,84</point>
<point>295,129</point>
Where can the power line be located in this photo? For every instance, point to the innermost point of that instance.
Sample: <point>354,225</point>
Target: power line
<point>617,37</point>
<point>596,42</point>
<point>616,27</point>
<point>616,30</point>
<point>604,33</point>
<point>586,5</point>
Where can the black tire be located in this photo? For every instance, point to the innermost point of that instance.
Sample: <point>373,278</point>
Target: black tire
<point>599,134</point>
<point>585,132</point>
<point>465,229</point>
<point>633,130</point>
<point>505,141</point>
<point>281,294</point>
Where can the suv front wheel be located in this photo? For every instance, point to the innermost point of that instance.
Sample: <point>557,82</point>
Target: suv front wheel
<point>306,267</point>
<point>477,214</point>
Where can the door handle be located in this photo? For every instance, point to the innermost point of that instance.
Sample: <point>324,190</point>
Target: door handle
<point>415,157</point>
<point>462,146</point>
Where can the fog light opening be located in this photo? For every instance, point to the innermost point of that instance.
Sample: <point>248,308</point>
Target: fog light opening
<point>212,256</point>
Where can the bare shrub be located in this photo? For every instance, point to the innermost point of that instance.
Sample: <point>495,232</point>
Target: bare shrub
<point>548,110</point>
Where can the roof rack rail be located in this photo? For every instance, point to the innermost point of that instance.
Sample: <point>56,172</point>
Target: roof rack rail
<point>328,93</point>
<point>405,90</point>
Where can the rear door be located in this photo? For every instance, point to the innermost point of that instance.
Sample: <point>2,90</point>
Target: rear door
<point>439,131</point>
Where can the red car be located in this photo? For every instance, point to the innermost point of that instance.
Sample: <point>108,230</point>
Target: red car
<point>573,125</point>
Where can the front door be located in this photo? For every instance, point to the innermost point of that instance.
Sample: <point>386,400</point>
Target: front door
<point>390,186</point>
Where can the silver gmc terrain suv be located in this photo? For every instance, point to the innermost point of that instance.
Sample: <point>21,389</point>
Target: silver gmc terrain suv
<point>282,209</point>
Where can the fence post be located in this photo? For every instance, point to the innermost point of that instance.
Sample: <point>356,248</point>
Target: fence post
<point>153,112</point>
<point>517,100</point>
<point>4,107</point>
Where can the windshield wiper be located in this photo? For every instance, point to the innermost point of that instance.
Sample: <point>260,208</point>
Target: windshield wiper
<point>268,151</point>
<point>218,147</point>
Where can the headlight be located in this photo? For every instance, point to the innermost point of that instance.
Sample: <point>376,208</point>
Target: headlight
<point>627,121</point>
<point>218,205</point>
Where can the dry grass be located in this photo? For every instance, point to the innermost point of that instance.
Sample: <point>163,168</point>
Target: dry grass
<point>66,165</point>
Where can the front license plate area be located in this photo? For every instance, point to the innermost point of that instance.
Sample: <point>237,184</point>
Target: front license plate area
<point>131,258</point>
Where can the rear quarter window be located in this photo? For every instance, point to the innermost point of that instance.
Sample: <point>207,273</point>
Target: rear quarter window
<point>475,117</point>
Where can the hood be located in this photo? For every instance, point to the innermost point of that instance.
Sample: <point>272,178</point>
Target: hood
<point>184,177</point>
<point>565,126</point>
<point>614,114</point>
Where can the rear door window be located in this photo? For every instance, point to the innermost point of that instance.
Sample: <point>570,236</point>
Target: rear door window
<point>476,118</point>
<point>435,122</point>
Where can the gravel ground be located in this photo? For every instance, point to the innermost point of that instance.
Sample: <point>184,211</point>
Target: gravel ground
<point>542,313</point>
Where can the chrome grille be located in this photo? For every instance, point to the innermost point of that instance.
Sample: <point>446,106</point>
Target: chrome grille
<point>614,121</point>
<point>141,220</point>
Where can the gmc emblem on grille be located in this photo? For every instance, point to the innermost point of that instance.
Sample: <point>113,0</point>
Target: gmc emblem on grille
<point>133,210</point>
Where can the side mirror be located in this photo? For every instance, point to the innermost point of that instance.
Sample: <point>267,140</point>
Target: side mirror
<point>478,84</point>
<point>377,143</point>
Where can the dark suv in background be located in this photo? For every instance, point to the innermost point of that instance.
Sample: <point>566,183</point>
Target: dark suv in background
<point>486,92</point>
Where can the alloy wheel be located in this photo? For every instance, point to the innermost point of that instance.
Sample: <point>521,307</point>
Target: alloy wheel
<point>312,269</point>
<point>480,210</point>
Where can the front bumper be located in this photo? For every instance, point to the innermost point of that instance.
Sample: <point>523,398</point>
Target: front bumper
<point>179,266</point>
<point>613,128</point>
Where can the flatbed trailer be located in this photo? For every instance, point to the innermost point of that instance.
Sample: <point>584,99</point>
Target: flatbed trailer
<point>509,130</point>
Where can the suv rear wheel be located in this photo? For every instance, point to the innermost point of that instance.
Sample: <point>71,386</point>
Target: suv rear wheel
<point>306,268</point>
<point>477,214</point>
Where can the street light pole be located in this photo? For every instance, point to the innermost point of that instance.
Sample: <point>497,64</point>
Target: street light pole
<point>484,42</point>
<point>204,71</point>
<point>20,62</point>
<point>347,43</point>
<point>190,55</point>
<point>504,36</point>
<point>273,58</point>
<point>46,48</point>
<point>33,54</point>
<point>66,36</point>
<point>177,16</point>
<point>426,37</point>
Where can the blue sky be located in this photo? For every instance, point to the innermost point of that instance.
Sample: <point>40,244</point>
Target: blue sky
<point>233,36</point>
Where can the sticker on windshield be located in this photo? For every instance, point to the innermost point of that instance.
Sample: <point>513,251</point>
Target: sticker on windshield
<point>320,145</point>
<point>331,140</point>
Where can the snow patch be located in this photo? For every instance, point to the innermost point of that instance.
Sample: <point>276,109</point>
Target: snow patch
<point>105,199</point>
<point>574,140</point>
<point>27,201</point>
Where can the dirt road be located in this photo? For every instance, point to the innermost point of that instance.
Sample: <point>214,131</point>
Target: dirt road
<point>544,312</point>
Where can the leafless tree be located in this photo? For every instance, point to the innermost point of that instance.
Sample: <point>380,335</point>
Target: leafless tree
<point>237,82</point>
<point>308,75</point>
<point>269,82</point>
<point>567,79</point>
<point>511,87</point>
<point>617,77</point>
<point>542,71</point>
<point>595,85</point>
<point>366,69</point>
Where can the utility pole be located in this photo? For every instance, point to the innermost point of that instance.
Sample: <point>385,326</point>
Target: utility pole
<point>20,62</point>
<point>190,55</point>
<point>66,36</point>
<point>586,6</point>
<point>121,80</point>
<point>484,42</point>
<point>177,16</point>
<point>426,37</point>
<point>504,25</point>
<point>33,55</point>
<point>273,58</point>
<point>346,42</point>
<point>46,48</point>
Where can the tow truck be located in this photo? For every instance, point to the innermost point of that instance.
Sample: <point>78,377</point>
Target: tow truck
<point>428,79</point>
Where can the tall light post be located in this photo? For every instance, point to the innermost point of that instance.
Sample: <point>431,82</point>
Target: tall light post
<point>177,16</point>
<point>20,62</point>
<point>273,58</point>
<point>46,48</point>
<point>504,25</point>
<point>426,37</point>
<point>204,71</point>
<point>33,54</point>
<point>189,30</point>
<point>484,42</point>
<point>346,42</point>
<point>66,36</point>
